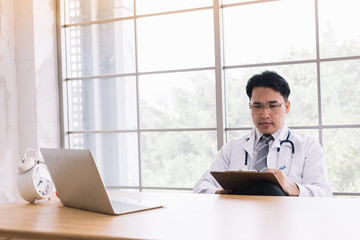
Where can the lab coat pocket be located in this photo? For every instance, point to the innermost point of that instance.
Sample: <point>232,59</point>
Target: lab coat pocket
<point>285,157</point>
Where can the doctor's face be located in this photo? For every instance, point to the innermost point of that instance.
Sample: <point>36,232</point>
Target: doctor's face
<point>268,109</point>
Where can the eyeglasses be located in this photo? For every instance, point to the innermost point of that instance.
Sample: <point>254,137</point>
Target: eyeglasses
<point>256,108</point>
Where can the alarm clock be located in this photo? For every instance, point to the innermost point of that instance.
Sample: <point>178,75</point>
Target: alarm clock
<point>34,180</point>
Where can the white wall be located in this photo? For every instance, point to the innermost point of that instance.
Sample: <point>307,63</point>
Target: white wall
<point>35,36</point>
<point>28,85</point>
<point>9,127</point>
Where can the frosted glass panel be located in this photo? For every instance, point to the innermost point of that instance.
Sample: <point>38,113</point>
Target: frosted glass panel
<point>102,104</point>
<point>156,6</point>
<point>178,100</point>
<point>343,159</point>
<point>339,28</point>
<point>176,41</point>
<point>106,48</point>
<point>340,92</point>
<point>176,159</point>
<point>116,155</point>
<point>268,32</point>
<point>85,10</point>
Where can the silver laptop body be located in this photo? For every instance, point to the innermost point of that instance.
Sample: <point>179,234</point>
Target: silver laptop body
<point>79,185</point>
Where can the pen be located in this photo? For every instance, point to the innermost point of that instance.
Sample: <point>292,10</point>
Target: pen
<point>282,168</point>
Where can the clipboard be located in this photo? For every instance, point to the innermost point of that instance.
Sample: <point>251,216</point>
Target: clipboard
<point>239,180</point>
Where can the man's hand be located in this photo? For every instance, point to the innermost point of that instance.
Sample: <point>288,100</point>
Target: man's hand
<point>290,188</point>
<point>223,191</point>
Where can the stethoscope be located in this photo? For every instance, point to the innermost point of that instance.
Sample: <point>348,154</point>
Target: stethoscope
<point>287,140</point>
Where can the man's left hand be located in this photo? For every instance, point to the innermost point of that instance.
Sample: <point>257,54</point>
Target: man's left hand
<point>290,188</point>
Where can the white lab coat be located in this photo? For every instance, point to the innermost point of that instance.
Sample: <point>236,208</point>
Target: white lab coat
<point>307,168</point>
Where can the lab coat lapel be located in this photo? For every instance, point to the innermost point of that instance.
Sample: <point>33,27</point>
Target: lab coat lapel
<point>249,145</point>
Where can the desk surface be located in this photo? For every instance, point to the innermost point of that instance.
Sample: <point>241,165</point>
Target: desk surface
<point>189,216</point>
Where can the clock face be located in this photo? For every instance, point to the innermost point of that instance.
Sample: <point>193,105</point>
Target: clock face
<point>42,181</point>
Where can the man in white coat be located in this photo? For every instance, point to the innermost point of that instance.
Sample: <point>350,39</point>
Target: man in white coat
<point>298,162</point>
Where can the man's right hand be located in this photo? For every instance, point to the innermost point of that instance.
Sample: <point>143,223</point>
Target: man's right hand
<point>223,191</point>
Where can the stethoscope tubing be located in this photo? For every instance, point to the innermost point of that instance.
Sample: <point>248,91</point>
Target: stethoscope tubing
<point>288,141</point>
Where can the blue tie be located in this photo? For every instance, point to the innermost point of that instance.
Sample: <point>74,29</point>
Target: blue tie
<point>263,151</point>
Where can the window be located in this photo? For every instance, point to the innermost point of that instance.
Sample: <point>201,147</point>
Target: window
<point>151,87</point>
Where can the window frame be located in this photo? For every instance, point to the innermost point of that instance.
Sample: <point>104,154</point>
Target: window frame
<point>219,68</point>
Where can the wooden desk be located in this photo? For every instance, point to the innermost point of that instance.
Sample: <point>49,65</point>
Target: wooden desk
<point>190,216</point>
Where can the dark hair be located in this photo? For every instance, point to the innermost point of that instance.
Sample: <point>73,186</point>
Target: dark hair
<point>268,79</point>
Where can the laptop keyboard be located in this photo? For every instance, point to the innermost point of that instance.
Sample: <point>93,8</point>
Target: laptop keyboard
<point>124,207</point>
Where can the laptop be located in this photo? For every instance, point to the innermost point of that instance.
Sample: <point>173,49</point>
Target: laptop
<point>79,185</point>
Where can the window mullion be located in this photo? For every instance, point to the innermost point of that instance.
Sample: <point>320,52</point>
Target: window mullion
<point>219,81</point>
